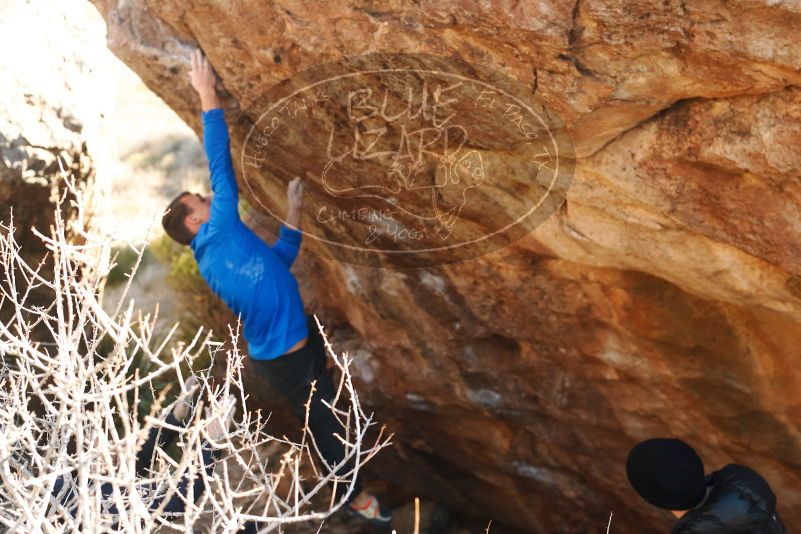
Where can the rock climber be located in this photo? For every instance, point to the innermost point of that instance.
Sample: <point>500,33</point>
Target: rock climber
<point>254,280</point>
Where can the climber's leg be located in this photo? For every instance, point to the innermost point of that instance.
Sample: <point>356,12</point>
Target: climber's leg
<point>163,436</point>
<point>291,375</point>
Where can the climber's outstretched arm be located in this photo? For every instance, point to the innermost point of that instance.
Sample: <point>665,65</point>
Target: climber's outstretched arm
<point>289,234</point>
<point>224,204</point>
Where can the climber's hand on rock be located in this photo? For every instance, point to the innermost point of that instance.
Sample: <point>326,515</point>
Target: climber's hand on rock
<point>294,196</point>
<point>201,75</point>
<point>294,193</point>
<point>203,80</point>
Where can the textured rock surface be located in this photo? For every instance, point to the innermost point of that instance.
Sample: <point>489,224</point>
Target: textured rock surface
<point>45,125</point>
<point>663,298</point>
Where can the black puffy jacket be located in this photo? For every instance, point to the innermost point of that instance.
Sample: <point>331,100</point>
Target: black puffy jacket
<point>740,502</point>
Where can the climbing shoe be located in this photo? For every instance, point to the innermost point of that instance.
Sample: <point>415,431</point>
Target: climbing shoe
<point>373,512</point>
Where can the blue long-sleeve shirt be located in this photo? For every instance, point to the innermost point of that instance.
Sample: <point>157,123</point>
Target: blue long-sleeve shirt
<point>250,276</point>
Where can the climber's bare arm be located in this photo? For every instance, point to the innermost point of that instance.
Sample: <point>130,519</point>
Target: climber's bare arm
<point>203,80</point>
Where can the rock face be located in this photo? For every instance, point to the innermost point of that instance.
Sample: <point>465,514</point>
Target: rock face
<point>43,129</point>
<point>662,298</point>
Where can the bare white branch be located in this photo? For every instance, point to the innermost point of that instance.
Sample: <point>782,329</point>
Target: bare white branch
<point>70,434</point>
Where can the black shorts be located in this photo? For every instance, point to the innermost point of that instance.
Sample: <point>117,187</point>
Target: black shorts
<point>291,374</point>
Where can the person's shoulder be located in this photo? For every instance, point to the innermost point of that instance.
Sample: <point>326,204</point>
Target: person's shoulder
<point>744,479</point>
<point>737,471</point>
<point>737,492</point>
<point>210,236</point>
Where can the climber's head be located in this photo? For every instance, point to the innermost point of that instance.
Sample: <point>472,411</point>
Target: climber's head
<point>667,473</point>
<point>184,216</point>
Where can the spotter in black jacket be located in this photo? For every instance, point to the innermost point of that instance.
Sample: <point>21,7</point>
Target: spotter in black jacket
<point>740,502</point>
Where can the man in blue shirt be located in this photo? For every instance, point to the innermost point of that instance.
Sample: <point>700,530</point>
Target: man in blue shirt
<point>254,280</point>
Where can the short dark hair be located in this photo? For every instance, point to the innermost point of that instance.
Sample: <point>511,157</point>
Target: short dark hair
<point>173,220</point>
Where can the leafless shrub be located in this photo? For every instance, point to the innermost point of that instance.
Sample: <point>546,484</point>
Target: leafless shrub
<point>68,413</point>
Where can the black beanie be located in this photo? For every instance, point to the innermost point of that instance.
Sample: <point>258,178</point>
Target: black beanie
<point>667,473</point>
